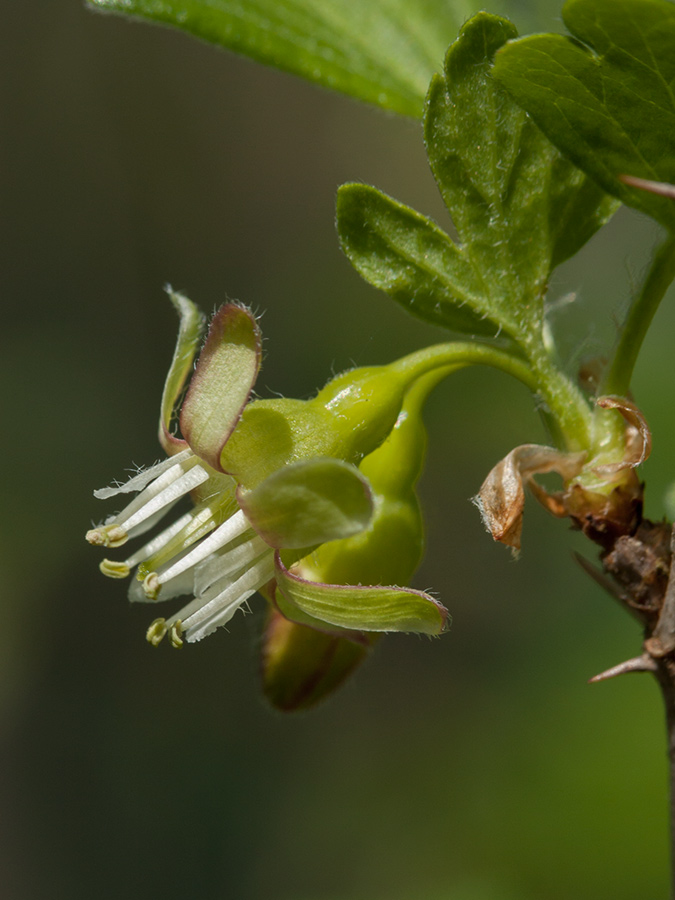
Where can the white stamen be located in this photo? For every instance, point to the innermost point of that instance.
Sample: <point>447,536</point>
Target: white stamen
<point>228,531</point>
<point>178,587</point>
<point>149,523</point>
<point>166,477</point>
<point>227,562</point>
<point>202,598</point>
<point>220,609</point>
<point>159,541</point>
<point>169,494</point>
<point>139,481</point>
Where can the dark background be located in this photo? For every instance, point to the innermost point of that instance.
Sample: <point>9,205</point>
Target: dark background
<point>480,766</point>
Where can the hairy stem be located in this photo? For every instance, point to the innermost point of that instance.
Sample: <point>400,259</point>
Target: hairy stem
<point>567,411</point>
<point>568,414</point>
<point>659,277</point>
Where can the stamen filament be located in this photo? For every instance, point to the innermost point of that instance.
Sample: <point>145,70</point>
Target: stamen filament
<point>169,494</point>
<point>203,519</point>
<point>202,598</point>
<point>223,606</point>
<point>139,481</point>
<point>159,541</point>
<point>223,535</point>
<point>222,564</point>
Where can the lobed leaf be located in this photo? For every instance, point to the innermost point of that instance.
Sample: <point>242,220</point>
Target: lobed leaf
<point>519,207</point>
<point>605,96</point>
<point>407,255</point>
<point>380,51</point>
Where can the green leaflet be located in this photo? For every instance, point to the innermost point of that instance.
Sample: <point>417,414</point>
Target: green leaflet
<point>380,51</point>
<point>607,103</point>
<point>407,255</point>
<point>518,206</point>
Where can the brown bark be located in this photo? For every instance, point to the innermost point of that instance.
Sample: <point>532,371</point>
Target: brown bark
<point>638,560</point>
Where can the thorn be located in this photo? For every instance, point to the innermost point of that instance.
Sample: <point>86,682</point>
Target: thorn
<point>642,663</point>
<point>654,187</point>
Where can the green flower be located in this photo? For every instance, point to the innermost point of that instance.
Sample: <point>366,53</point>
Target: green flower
<point>271,481</point>
<point>302,663</point>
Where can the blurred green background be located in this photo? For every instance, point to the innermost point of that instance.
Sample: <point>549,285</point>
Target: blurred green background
<point>479,766</point>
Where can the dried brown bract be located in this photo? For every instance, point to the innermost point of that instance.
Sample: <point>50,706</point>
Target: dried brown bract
<point>501,499</point>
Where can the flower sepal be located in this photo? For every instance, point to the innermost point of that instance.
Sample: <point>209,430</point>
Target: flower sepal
<point>222,382</point>
<point>358,607</point>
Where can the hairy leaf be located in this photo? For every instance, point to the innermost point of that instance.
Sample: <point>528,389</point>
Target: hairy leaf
<point>380,51</point>
<point>518,206</point>
<point>407,255</point>
<point>605,95</point>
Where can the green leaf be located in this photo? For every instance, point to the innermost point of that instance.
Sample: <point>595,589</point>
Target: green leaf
<point>605,96</point>
<point>308,503</point>
<point>519,208</point>
<point>407,255</point>
<point>380,51</point>
<point>360,608</point>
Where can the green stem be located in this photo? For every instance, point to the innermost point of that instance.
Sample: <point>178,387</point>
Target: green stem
<point>568,414</point>
<point>568,409</point>
<point>659,277</point>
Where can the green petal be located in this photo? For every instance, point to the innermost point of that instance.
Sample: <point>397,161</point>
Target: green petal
<point>189,335</point>
<point>226,372</point>
<point>308,503</point>
<point>360,608</point>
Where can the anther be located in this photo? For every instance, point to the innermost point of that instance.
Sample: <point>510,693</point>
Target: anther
<point>114,569</point>
<point>151,585</point>
<point>107,536</point>
<point>156,632</point>
<point>175,633</point>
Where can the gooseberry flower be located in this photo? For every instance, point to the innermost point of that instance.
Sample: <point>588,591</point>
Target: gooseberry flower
<point>271,480</point>
<point>302,664</point>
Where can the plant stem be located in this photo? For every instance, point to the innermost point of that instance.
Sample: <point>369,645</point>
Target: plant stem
<point>659,277</point>
<point>569,412</point>
<point>638,568</point>
<point>568,416</point>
